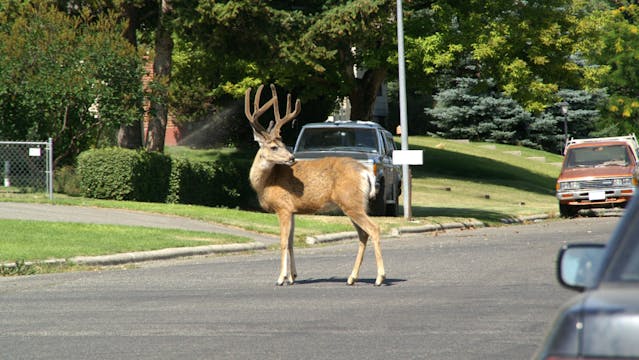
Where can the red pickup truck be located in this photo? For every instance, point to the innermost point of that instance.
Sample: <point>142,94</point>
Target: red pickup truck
<point>597,172</point>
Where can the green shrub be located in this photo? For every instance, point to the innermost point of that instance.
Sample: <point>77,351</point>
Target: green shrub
<point>66,181</point>
<point>212,183</point>
<point>123,174</point>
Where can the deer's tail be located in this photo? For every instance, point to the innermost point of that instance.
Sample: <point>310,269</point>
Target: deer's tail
<point>370,183</point>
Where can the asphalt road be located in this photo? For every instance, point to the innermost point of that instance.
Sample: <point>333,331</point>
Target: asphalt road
<point>476,294</point>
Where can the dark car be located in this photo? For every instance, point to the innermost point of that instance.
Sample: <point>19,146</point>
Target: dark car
<point>603,321</point>
<point>365,141</point>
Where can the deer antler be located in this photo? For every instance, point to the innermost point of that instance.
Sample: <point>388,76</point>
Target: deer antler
<point>279,122</point>
<point>253,116</point>
<point>273,129</point>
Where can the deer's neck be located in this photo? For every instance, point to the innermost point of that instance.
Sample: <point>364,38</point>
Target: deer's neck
<point>260,172</point>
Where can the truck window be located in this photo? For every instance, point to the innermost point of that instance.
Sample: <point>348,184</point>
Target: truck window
<point>597,156</point>
<point>326,139</point>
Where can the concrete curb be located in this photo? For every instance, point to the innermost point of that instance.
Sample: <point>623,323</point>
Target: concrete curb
<point>525,219</point>
<point>436,227</point>
<point>141,256</point>
<point>326,238</point>
<point>319,239</point>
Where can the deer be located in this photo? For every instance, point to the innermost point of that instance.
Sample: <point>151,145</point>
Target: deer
<point>287,187</point>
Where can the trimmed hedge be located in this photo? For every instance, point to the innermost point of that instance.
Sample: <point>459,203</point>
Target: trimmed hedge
<point>123,174</point>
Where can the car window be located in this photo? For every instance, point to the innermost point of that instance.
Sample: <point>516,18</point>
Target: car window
<point>630,270</point>
<point>625,261</point>
<point>326,139</point>
<point>390,142</point>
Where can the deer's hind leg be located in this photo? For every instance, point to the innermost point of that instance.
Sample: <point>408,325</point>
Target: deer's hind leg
<point>363,239</point>
<point>366,229</point>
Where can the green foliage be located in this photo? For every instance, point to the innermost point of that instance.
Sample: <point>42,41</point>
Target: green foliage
<point>226,46</point>
<point>615,55</point>
<point>19,268</point>
<point>123,174</point>
<point>69,78</point>
<point>523,47</point>
<point>472,109</point>
<point>213,183</point>
<point>66,181</point>
<point>469,110</point>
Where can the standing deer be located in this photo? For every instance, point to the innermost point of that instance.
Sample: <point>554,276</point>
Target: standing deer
<point>287,187</point>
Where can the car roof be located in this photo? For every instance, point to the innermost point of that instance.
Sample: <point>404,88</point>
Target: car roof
<point>345,123</point>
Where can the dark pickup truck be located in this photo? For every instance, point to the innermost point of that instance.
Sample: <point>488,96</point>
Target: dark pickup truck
<point>365,141</point>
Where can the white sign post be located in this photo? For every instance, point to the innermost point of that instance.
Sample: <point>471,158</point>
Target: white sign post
<point>406,158</point>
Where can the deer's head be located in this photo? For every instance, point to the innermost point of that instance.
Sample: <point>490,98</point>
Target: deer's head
<point>272,149</point>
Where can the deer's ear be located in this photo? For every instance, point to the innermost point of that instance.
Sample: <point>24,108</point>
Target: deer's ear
<point>259,137</point>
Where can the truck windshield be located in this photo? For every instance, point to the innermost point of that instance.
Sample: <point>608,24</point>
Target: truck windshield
<point>329,139</point>
<point>597,156</point>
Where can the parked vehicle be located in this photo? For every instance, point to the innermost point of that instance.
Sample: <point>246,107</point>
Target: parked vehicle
<point>597,172</point>
<point>365,141</point>
<point>603,321</point>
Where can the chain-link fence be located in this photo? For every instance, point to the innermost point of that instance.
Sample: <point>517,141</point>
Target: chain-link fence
<point>26,167</point>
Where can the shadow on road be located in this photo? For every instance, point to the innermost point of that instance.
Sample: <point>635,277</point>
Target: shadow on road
<point>342,280</point>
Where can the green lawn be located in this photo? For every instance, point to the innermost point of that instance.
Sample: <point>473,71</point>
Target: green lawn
<point>39,240</point>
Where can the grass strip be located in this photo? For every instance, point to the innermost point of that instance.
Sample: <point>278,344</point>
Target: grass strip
<point>41,240</point>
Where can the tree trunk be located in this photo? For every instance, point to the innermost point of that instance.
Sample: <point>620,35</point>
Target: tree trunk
<point>161,80</point>
<point>364,94</point>
<point>130,135</point>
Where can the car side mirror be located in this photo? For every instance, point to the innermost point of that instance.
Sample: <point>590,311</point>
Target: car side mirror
<point>578,265</point>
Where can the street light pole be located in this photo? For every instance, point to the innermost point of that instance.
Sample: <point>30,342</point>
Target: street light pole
<point>564,110</point>
<point>403,122</point>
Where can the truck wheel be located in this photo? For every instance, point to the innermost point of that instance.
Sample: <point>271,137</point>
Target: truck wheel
<point>567,210</point>
<point>393,209</point>
<point>377,205</point>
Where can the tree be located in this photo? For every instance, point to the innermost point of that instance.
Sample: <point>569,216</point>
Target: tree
<point>357,38</point>
<point>310,49</point>
<point>524,46</point>
<point>614,57</point>
<point>547,129</point>
<point>74,79</point>
<point>161,79</point>
<point>471,109</point>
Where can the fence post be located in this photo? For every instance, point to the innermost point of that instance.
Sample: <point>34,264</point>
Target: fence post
<point>50,168</point>
<point>7,171</point>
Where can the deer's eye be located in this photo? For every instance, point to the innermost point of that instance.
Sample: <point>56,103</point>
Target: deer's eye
<point>274,147</point>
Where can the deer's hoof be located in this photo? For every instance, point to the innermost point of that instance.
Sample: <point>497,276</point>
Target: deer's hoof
<point>380,280</point>
<point>279,282</point>
<point>351,280</point>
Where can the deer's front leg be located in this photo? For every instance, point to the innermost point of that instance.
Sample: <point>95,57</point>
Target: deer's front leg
<point>287,261</point>
<point>291,239</point>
